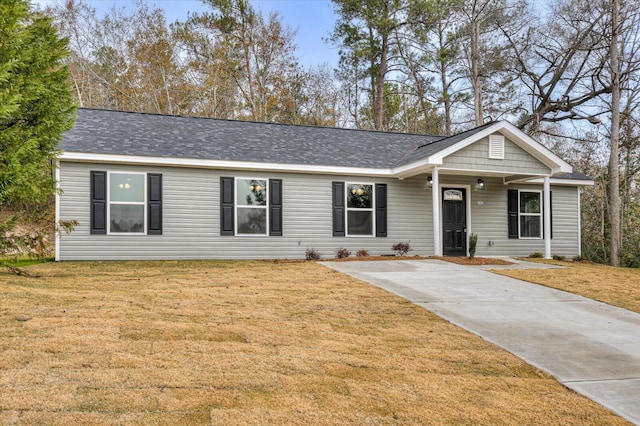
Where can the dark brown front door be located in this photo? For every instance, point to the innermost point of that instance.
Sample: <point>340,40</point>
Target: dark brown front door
<point>454,222</point>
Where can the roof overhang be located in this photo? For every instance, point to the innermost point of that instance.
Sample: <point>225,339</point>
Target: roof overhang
<point>83,157</point>
<point>423,166</point>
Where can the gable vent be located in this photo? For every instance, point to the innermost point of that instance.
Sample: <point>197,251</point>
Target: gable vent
<point>496,147</point>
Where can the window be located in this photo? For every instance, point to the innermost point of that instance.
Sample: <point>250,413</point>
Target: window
<point>359,209</point>
<point>525,213</point>
<point>530,214</point>
<point>125,203</point>
<point>251,206</point>
<point>126,213</point>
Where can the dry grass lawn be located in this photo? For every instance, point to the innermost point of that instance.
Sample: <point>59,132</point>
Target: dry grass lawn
<point>251,343</point>
<point>615,286</point>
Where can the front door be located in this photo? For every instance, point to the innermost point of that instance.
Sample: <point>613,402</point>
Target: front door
<point>454,222</point>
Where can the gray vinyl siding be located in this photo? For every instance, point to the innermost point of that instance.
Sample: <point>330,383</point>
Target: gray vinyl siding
<point>489,218</point>
<point>191,218</point>
<point>476,157</point>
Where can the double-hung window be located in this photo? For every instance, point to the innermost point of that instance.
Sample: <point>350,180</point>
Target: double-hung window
<point>251,206</point>
<point>525,213</point>
<point>530,214</point>
<point>360,213</point>
<point>125,203</point>
<point>126,211</point>
<point>359,209</point>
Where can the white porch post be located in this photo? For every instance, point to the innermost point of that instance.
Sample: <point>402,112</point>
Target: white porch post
<point>435,201</point>
<point>547,218</point>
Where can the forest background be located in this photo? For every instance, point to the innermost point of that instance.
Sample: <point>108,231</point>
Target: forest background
<point>566,73</point>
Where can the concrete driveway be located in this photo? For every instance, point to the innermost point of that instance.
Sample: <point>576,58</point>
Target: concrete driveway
<point>590,347</point>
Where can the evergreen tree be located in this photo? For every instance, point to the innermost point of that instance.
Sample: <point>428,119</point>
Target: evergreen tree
<point>36,107</point>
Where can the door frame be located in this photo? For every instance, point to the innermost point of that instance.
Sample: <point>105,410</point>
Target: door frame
<point>467,207</point>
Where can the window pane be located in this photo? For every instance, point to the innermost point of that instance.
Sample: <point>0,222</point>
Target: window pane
<point>252,192</point>
<point>252,221</point>
<point>359,196</point>
<point>529,202</point>
<point>359,222</point>
<point>127,187</point>
<point>530,226</point>
<point>127,218</point>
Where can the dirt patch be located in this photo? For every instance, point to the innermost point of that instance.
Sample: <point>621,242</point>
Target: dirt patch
<point>232,342</point>
<point>473,261</point>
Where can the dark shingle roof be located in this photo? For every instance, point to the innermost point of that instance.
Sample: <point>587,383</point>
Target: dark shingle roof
<point>153,135</point>
<point>439,144</point>
<point>107,132</point>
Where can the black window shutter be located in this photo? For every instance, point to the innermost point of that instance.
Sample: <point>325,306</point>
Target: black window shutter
<point>381,210</point>
<point>98,202</point>
<point>338,209</point>
<point>275,207</point>
<point>226,206</point>
<point>512,208</point>
<point>154,203</point>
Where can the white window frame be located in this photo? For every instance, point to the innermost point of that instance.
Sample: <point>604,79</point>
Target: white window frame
<point>540,215</point>
<point>236,206</point>
<point>496,147</point>
<point>130,203</point>
<point>347,209</point>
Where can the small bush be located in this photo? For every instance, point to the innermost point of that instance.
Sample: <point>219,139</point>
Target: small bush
<point>578,258</point>
<point>362,253</point>
<point>402,248</point>
<point>536,255</point>
<point>342,253</point>
<point>311,254</point>
<point>473,242</point>
<point>558,257</point>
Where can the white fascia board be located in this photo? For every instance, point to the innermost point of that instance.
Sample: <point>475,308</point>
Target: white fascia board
<point>535,148</point>
<point>82,157</point>
<point>422,166</point>
<point>518,137</point>
<point>562,182</point>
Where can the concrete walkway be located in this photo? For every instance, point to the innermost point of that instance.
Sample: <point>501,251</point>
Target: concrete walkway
<point>590,347</point>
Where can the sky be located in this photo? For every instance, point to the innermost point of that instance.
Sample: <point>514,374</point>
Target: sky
<point>313,20</point>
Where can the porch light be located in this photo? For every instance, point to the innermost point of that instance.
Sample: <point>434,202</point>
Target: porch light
<point>430,181</point>
<point>480,185</point>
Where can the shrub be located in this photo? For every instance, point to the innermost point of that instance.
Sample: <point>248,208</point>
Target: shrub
<point>342,253</point>
<point>473,242</point>
<point>311,254</point>
<point>362,253</point>
<point>536,254</point>
<point>578,258</point>
<point>558,257</point>
<point>402,248</point>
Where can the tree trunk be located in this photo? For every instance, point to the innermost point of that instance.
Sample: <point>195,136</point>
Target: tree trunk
<point>446,97</point>
<point>614,176</point>
<point>379,95</point>
<point>475,70</point>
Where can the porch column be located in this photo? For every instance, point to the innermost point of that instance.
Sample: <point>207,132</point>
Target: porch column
<point>435,201</point>
<point>547,217</point>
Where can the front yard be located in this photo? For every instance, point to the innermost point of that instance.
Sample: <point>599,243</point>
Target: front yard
<point>251,343</point>
<point>615,286</point>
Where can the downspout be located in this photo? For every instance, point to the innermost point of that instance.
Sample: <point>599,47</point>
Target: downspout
<point>547,217</point>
